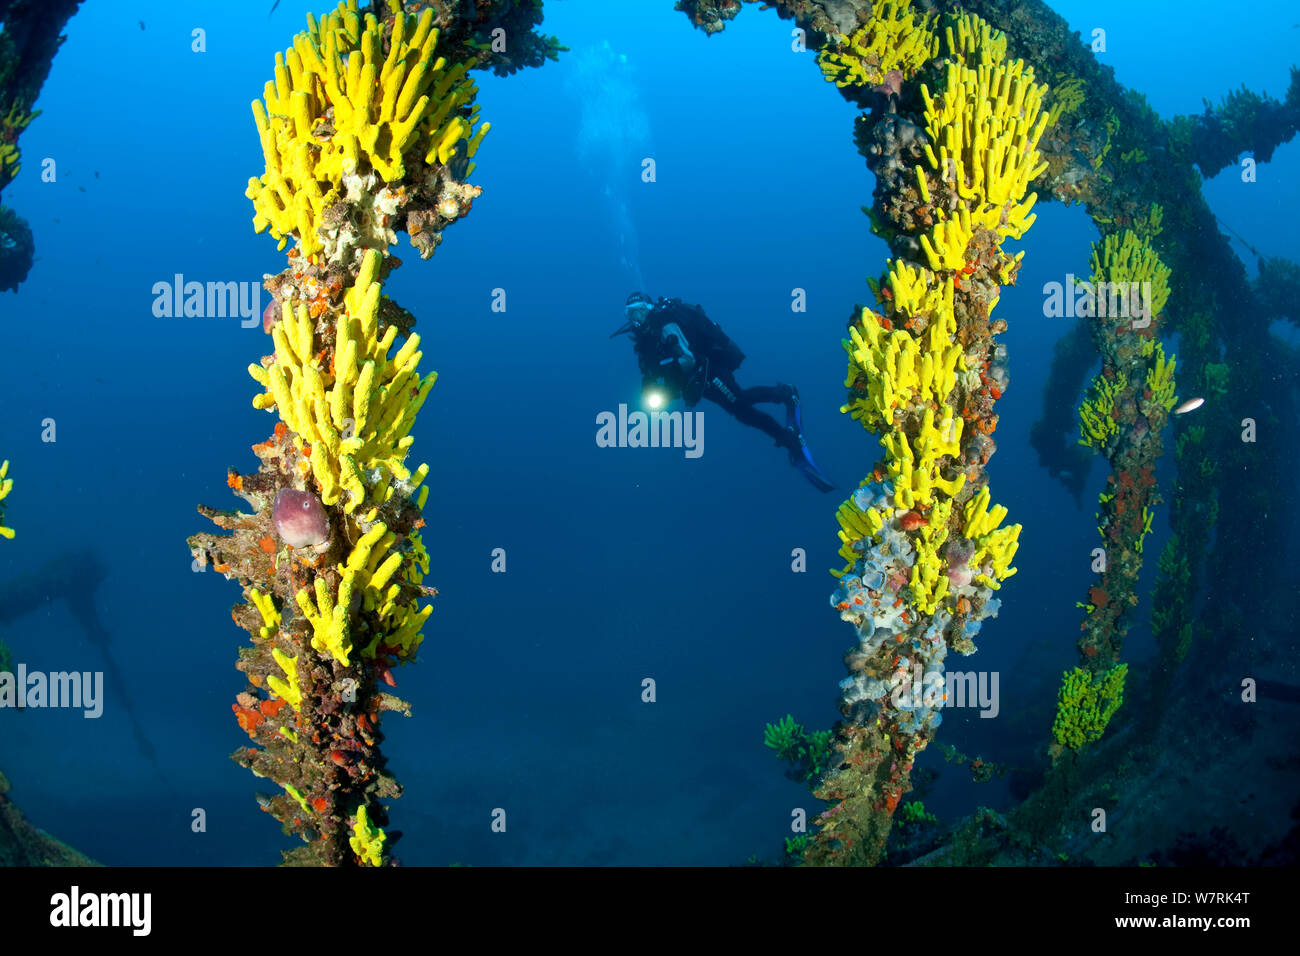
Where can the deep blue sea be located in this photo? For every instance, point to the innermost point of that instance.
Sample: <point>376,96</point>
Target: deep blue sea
<point>622,564</point>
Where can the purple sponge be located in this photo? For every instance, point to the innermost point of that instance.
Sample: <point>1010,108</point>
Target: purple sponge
<point>299,519</point>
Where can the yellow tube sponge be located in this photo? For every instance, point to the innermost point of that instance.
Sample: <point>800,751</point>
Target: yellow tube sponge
<point>995,546</point>
<point>9,162</point>
<point>945,246</point>
<point>1097,415</point>
<point>407,623</point>
<point>419,566</point>
<point>329,618</point>
<point>856,524</point>
<point>895,38</point>
<point>1148,516</point>
<point>1085,704</point>
<point>914,466</point>
<point>294,792</point>
<point>918,293</point>
<point>288,691</point>
<point>987,122</point>
<point>893,370</point>
<point>266,607</point>
<point>358,414</point>
<point>1066,97</point>
<point>971,38</point>
<point>375,570</point>
<point>337,108</point>
<point>367,840</point>
<point>6,485</point>
<point>11,124</point>
<point>1160,373</point>
<point>1128,263</point>
<point>929,581</point>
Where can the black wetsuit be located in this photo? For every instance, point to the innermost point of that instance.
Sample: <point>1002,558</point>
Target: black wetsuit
<point>659,346</point>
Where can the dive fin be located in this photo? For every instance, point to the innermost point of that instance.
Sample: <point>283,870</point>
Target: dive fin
<point>801,457</point>
<point>804,462</point>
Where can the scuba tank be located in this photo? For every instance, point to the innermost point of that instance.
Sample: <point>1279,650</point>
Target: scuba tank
<point>723,354</point>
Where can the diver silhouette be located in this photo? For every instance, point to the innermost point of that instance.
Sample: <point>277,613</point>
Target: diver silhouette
<point>683,353</point>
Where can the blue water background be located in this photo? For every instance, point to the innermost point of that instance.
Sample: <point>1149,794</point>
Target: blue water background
<point>623,564</point>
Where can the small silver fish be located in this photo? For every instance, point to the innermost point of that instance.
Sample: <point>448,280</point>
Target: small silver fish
<point>1191,405</point>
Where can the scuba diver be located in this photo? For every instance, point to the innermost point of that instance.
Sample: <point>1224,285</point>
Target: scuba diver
<point>683,353</point>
